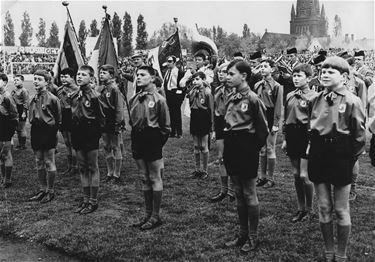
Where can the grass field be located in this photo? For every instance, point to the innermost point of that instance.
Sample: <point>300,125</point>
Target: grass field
<point>193,229</point>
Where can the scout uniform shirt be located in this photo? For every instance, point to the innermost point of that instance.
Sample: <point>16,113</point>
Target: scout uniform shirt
<point>357,87</point>
<point>201,98</point>
<point>86,106</point>
<point>45,108</point>
<point>246,112</point>
<point>64,93</point>
<point>21,98</point>
<point>8,108</point>
<point>112,101</point>
<point>339,112</point>
<point>315,85</point>
<point>149,109</point>
<point>220,99</point>
<point>365,74</point>
<point>371,108</point>
<point>297,106</point>
<point>271,94</point>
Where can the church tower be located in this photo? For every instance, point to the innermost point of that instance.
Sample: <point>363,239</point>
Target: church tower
<point>308,18</point>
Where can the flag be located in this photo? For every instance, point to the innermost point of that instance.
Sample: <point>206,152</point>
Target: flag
<point>104,51</point>
<point>159,55</point>
<point>203,42</point>
<point>69,54</point>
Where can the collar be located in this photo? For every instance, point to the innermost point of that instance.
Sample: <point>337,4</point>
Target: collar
<point>339,90</point>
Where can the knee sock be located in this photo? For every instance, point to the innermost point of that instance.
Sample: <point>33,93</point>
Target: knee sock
<point>8,174</point>
<point>2,173</point>
<point>86,194</point>
<point>343,233</point>
<point>148,195</point>
<point>230,187</point>
<point>42,176</point>
<point>94,195</point>
<point>224,184</point>
<point>51,181</point>
<point>271,163</point>
<point>117,171</point>
<point>205,161</point>
<point>243,219</point>
<point>22,141</point>
<point>309,195</point>
<point>300,190</point>
<point>263,166</point>
<point>110,165</point>
<point>197,161</point>
<point>253,215</point>
<point>327,232</point>
<point>156,202</point>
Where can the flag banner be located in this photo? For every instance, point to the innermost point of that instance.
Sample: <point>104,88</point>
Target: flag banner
<point>104,51</point>
<point>158,56</point>
<point>203,42</point>
<point>69,54</point>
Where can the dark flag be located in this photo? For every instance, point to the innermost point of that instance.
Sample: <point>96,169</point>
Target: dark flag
<point>104,51</point>
<point>69,54</point>
<point>158,55</point>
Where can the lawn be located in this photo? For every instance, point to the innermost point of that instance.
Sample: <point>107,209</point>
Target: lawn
<point>193,229</point>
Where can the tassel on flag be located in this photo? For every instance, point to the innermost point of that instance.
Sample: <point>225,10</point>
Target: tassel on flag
<point>69,54</point>
<point>104,51</point>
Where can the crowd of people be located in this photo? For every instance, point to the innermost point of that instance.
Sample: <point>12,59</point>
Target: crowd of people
<point>319,103</point>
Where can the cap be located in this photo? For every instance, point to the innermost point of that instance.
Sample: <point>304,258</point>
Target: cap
<point>359,53</point>
<point>291,51</point>
<point>255,55</point>
<point>137,54</point>
<point>319,59</point>
<point>322,52</point>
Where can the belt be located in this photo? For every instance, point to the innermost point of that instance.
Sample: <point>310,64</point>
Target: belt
<point>330,139</point>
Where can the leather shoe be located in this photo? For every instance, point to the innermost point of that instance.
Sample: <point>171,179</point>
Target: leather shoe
<point>38,196</point>
<point>142,221</point>
<point>218,197</point>
<point>261,182</point>
<point>89,209</point>
<point>232,198</point>
<point>195,174</point>
<point>48,197</point>
<point>250,245</point>
<point>151,223</point>
<point>80,207</point>
<point>108,179</point>
<point>7,184</point>
<point>238,241</point>
<point>117,180</point>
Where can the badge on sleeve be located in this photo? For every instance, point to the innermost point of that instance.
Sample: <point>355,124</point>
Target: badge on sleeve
<point>202,101</point>
<point>303,103</point>
<point>342,108</point>
<point>43,107</point>
<point>151,104</point>
<point>270,92</point>
<point>244,107</point>
<point>108,95</point>
<point>352,89</point>
<point>87,103</point>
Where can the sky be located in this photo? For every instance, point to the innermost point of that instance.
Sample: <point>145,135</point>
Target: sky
<point>357,16</point>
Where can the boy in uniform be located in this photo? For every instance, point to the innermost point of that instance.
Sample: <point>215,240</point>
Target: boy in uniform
<point>21,97</point>
<point>8,124</point>
<point>63,93</point>
<point>271,94</point>
<point>112,100</point>
<point>45,118</point>
<point>87,122</point>
<point>337,139</point>
<point>150,131</point>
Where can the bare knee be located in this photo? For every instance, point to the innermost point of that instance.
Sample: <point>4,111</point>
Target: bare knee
<point>343,216</point>
<point>325,212</point>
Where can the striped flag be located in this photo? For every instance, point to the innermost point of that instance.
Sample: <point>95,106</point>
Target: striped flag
<point>203,42</point>
<point>69,54</point>
<point>104,51</point>
<point>158,55</point>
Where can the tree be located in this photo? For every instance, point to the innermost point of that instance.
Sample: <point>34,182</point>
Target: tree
<point>206,32</point>
<point>127,36</point>
<point>142,35</point>
<point>53,40</point>
<point>245,31</point>
<point>337,27</point>
<point>82,35</point>
<point>27,30</point>
<point>94,31</point>
<point>166,30</point>
<point>41,35</point>
<point>8,30</point>
<point>116,28</point>
<point>214,33</point>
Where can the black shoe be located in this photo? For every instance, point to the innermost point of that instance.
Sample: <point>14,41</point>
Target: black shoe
<point>232,198</point>
<point>7,184</point>
<point>142,221</point>
<point>269,184</point>
<point>306,217</point>
<point>203,175</point>
<point>172,135</point>
<point>352,195</point>
<point>48,197</point>
<point>298,216</point>
<point>89,209</point>
<point>38,196</point>
<point>261,182</point>
<point>80,207</point>
<point>237,242</point>
<point>117,180</point>
<point>179,136</point>
<point>151,223</point>
<point>108,179</point>
<point>195,174</point>
<point>250,245</point>
<point>217,198</point>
